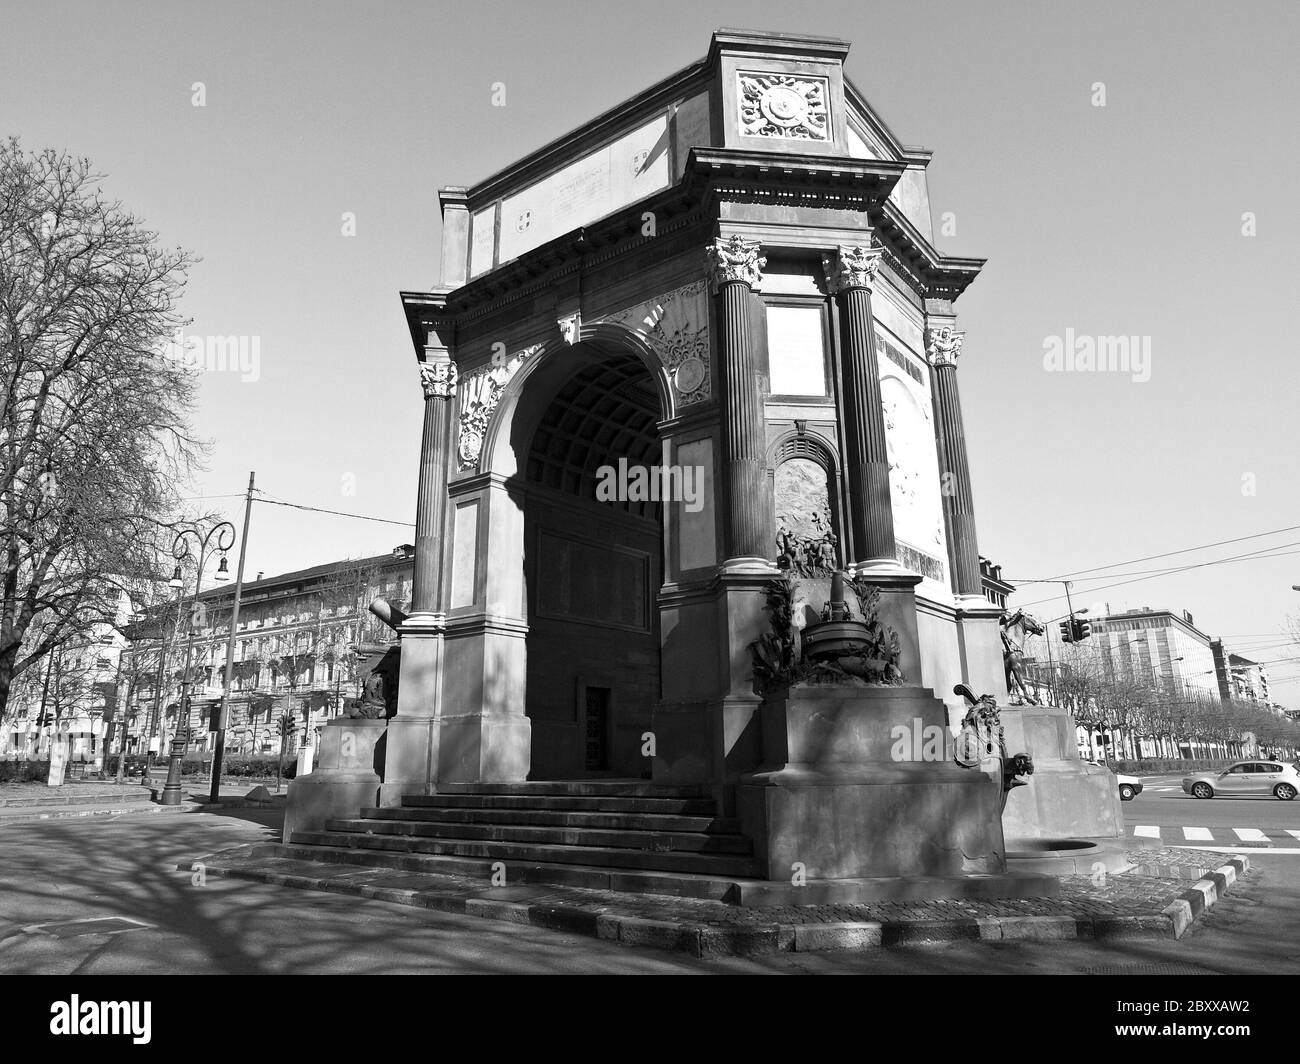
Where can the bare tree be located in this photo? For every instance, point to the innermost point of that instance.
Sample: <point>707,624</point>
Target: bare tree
<point>94,417</point>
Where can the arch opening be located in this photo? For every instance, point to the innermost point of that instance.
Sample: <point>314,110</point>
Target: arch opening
<point>593,564</point>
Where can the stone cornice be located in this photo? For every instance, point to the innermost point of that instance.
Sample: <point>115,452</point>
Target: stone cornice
<point>936,276</point>
<point>713,176</point>
<point>580,250</point>
<point>425,311</point>
<point>707,169</point>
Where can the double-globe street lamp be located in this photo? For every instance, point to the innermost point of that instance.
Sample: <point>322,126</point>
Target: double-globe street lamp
<point>224,534</point>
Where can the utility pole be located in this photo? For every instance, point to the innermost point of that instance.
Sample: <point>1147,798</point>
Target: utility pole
<point>219,746</point>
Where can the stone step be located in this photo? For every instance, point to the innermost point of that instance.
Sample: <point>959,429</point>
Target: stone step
<point>595,856</point>
<point>645,841</point>
<point>561,818</point>
<point>583,803</point>
<point>581,788</point>
<point>678,885</point>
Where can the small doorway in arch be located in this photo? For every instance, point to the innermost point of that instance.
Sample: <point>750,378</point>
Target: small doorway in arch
<point>595,713</point>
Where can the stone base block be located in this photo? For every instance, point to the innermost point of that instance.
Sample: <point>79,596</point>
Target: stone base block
<point>483,749</point>
<point>1067,798</point>
<point>904,820</point>
<point>412,752</point>
<point>327,794</point>
<point>848,800</point>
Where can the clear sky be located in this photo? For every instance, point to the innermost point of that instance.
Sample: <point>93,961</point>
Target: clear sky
<point>1117,220</point>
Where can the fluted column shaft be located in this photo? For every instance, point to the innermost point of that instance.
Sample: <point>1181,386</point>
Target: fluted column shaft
<point>867,458</point>
<point>439,381</point>
<point>742,413</point>
<point>958,498</point>
<point>734,266</point>
<point>850,274</point>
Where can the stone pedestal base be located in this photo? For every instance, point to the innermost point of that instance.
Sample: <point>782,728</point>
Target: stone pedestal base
<point>483,748</point>
<point>848,798</point>
<point>345,780</point>
<point>1067,798</point>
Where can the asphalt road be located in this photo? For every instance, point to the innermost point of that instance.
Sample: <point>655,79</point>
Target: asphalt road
<point>58,871</point>
<point>1238,822</point>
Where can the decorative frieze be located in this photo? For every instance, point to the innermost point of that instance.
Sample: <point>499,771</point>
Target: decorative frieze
<point>734,259</point>
<point>675,325</point>
<point>782,105</point>
<point>851,267</point>
<point>943,345</point>
<point>438,379</point>
<point>480,393</point>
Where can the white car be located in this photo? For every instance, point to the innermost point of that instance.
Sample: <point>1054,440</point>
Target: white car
<point>1129,786</point>
<point>1246,777</point>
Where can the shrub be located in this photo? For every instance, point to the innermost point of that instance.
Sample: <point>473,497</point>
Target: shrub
<point>24,771</point>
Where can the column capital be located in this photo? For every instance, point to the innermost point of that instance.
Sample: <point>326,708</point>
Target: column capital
<point>438,379</point>
<point>733,259</point>
<point>851,266</point>
<point>943,345</point>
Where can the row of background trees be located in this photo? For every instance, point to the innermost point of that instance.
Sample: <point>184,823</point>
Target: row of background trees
<point>1170,721</point>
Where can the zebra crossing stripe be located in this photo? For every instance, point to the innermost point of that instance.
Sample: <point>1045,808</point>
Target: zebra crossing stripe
<point>1250,835</point>
<point>1293,833</point>
<point>1146,831</point>
<point>1197,835</point>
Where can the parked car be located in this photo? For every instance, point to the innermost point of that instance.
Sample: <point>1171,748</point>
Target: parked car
<point>1246,777</point>
<point>1129,786</point>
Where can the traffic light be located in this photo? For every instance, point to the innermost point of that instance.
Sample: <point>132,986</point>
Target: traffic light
<point>1082,629</point>
<point>1067,635</point>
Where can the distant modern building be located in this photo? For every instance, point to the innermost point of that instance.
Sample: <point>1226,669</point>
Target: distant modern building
<point>1157,647</point>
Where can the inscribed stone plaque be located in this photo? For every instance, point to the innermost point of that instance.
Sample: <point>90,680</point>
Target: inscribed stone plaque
<point>796,350</point>
<point>630,168</point>
<point>582,581</point>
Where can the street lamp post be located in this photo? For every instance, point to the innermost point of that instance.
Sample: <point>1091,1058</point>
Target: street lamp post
<point>225,539</point>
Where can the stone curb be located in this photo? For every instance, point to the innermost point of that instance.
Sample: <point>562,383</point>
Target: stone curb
<point>64,799</point>
<point>711,940</point>
<point>1204,893</point>
<point>137,808</point>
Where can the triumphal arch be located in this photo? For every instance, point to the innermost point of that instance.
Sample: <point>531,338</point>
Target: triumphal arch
<point>703,343</point>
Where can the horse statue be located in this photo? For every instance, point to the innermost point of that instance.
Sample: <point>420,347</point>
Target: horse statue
<point>1016,628</point>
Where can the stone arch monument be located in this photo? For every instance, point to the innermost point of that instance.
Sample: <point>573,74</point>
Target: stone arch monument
<point>729,284</point>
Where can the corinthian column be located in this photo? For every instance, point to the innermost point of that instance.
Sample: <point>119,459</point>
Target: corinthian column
<point>439,382</point>
<point>411,757</point>
<point>850,274</point>
<point>734,266</point>
<point>943,346</point>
